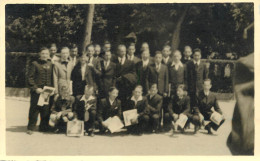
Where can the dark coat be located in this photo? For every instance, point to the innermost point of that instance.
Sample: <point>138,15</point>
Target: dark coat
<point>96,72</point>
<point>205,103</point>
<point>185,60</point>
<point>40,74</point>
<point>179,106</point>
<point>160,78</point>
<point>169,62</point>
<point>196,76</point>
<point>141,106</point>
<point>142,75</point>
<point>136,59</point>
<point>79,106</point>
<point>154,104</point>
<point>105,110</point>
<point>177,77</point>
<point>107,78</point>
<point>78,85</point>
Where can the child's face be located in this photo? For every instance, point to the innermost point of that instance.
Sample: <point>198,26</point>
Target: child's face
<point>64,94</point>
<point>145,55</point>
<point>107,47</point>
<point>166,52</point>
<point>64,54</point>
<point>44,55</point>
<point>187,52</point>
<point>90,51</point>
<point>97,50</point>
<point>207,85</point>
<point>153,91</point>
<point>137,92</point>
<point>74,52</point>
<point>158,58</point>
<point>88,92</point>
<point>107,56</point>
<point>121,51</point>
<point>197,56</point>
<point>131,50</point>
<point>53,50</point>
<point>113,94</point>
<point>180,92</point>
<point>177,56</point>
<point>145,47</point>
<point>83,60</point>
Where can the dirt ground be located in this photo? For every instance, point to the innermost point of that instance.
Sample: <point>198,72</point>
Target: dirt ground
<point>18,143</point>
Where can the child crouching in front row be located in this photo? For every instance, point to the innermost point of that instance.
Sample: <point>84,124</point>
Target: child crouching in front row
<point>61,110</point>
<point>179,111</point>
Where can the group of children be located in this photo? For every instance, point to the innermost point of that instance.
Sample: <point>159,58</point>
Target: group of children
<point>97,84</point>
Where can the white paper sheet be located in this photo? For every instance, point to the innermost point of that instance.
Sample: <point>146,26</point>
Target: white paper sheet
<point>129,115</point>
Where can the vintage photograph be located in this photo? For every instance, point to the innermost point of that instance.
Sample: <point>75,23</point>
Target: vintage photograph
<point>140,79</point>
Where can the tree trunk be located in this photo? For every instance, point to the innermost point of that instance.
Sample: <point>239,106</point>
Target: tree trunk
<point>177,30</point>
<point>88,30</point>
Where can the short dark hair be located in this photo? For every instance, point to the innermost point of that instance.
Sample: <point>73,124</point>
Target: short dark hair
<point>197,50</point>
<point>131,44</point>
<point>207,80</point>
<point>182,86</point>
<point>90,45</point>
<point>111,89</point>
<point>73,46</point>
<point>167,46</point>
<point>43,48</point>
<point>107,42</point>
<point>139,86</point>
<point>158,52</point>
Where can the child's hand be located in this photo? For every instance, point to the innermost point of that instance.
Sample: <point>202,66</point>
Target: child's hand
<point>59,115</point>
<point>39,90</point>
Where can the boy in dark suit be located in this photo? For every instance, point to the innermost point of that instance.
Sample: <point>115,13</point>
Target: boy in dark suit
<point>107,78</point>
<point>109,107</point>
<point>154,106</point>
<point>180,105</point>
<point>39,75</point>
<point>94,64</point>
<point>177,72</point>
<point>186,54</point>
<point>61,110</point>
<point>158,74</point>
<point>131,52</point>
<point>85,108</point>
<point>207,104</point>
<point>81,76</point>
<point>196,73</point>
<point>125,74</point>
<point>166,52</point>
<point>74,54</point>
<point>142,70</point>
<point>139,102</point>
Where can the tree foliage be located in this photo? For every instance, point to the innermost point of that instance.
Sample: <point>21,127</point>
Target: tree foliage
<point>211,27</point>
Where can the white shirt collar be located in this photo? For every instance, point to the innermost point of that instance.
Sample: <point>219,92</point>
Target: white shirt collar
<point>130,57</point>
<point>145,62</point>
<point>165,60</point>
<point>83,98</point>
<point>198,62</point>
<point>110,101</point>
<point>139,99</point>
<point>206,93</point>
<point>123,60</point>
<point>177,64</point>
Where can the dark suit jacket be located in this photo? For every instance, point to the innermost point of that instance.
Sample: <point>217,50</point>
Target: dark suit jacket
<point>79,106</point>
<point>40,74</point>
<point>136,59</point>
<point>105,110</point>
<point>155,104</point>
<point>96,71</point>
<point>177,77</point>
<point>204,104</point>
<point>141,106</point>
<point>179,106</point>
<point>160,78</point>
<point>195,76</point>
<point>184,60</point>
<point>142,75</point>
<point>169,62</point>
<point>125,77</point>
<point>107,78</point>
<point>77,84</point>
